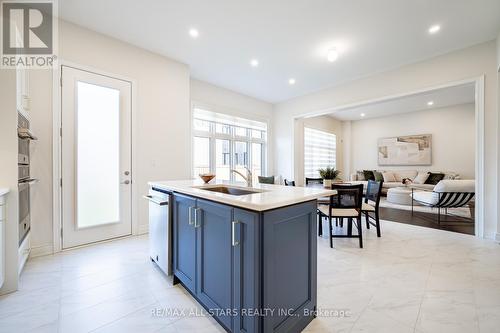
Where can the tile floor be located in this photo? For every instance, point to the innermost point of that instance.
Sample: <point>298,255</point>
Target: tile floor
<point>413,279</point>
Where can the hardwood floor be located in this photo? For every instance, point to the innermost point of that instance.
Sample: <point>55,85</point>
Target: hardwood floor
<point>427,220</point>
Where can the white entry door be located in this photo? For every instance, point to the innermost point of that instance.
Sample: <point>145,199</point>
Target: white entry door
<point>96,157</point>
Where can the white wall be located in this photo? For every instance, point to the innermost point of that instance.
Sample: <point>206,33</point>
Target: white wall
<point>453,138</point>
<point>8,174</point>
<point>323,123</point>
<point>463,64</point>
<point>498,106</point>
<point>498,51</point>
<point>41,162</point>
<point>226,101</point>
<point>229,101</point>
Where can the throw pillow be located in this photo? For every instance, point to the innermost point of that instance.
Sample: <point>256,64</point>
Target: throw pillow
<point>369,175</point>
<point>451,176</point>
<point>398,177</point>
<point>360,175</point>
<point>434,178</point>
<point>421,178</point>
<point>389,177</point>
<point>266,180</point>
<point>378,176</point>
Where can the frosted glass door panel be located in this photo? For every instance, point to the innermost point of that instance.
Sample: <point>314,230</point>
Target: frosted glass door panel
<point>98,155</point>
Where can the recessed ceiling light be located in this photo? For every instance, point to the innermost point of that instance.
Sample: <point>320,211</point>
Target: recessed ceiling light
<point>362,115</point>
<point>254,62</point>
<point>194,33</point>
<point>434,29</point>
<point>332,55</point>
<point>430,103</point>
<point>291,81</point>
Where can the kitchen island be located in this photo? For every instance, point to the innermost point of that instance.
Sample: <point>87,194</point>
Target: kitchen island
<point>247,254</point>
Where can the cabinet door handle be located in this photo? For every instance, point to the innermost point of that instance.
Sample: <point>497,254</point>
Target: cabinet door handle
<point>233,233</point>
<point>197,218</point>
<point>190,216</point>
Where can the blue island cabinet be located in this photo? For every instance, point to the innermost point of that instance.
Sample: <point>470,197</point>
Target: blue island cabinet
<point>253,271</point>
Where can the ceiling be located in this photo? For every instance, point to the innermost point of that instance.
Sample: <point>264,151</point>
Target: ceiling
<point>440,98</point>
<point>290,38</point>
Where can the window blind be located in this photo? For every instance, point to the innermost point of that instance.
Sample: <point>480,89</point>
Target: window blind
<point>320,151</point>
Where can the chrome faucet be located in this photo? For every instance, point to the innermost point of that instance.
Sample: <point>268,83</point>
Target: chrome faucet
<point>248,178</point>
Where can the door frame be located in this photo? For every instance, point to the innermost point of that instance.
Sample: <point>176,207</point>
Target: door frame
<point>478,82</point>
<point>57,148</point>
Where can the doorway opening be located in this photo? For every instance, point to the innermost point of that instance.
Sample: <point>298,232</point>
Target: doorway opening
<point>439,130</point>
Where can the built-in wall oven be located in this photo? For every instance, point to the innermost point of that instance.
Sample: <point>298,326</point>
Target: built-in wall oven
<point>24,210</point>
<point>23,172</point>
<point>24,177</point>
<point>23,151</point>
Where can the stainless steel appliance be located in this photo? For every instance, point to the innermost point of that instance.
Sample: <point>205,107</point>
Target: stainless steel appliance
<point>24,210</point>
<point>160,216</point>
<point>23,172</point>
<point>23,151</point>
<point>23,128</point>
<point>25,136</point>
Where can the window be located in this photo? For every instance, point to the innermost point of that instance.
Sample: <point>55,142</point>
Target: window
<point>222,143</point>
<point>320,151</point>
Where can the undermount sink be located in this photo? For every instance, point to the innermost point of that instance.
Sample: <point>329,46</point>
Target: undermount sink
<point>229,190</point>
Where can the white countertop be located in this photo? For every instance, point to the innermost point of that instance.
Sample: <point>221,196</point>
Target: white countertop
<point>4,191</point>
<point>270,197</point>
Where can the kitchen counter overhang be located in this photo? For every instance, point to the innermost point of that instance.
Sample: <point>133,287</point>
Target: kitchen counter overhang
<point>268,196</point>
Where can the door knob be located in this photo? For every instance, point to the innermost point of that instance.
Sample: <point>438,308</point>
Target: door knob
<point>127,173</point>
<point>126,182</point>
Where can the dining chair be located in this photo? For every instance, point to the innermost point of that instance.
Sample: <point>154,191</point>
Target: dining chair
<point>289,182</point>
<point>314,181</point>
<point>371,204</point>
<point>346,204</point>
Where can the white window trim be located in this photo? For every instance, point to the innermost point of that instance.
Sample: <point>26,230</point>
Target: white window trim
<point>212,135</point>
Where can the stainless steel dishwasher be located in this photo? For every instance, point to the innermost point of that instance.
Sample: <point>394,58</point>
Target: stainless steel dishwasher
<point>160,228</point>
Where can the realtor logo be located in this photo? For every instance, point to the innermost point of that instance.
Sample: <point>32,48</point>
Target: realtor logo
<point>28,33</point>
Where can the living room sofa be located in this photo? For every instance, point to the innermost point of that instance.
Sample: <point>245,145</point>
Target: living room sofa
<point>399,175</point>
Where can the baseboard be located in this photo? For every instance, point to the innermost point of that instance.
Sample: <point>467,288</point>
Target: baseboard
<point>42,250</point>
<point>143,229</point>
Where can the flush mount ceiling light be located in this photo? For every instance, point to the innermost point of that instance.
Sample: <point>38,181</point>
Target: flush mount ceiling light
<point>362,115</point>
<point>254,63</point>
<point>332,49</point>
<point>193,33</point>
<point>434,29</point>
<point>291,81</point>
<point>430,103</point>
<point>332,55</point>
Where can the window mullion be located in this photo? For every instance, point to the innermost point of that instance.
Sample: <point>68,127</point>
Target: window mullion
<point>231,159</point>
<point>232,128</point>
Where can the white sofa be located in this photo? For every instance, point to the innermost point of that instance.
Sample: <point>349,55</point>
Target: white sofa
<point>444,186</point>
<point>402,174</point>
